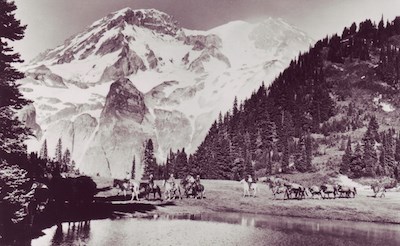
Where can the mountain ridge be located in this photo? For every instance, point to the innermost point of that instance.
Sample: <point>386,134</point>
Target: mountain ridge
<point>185,75</point>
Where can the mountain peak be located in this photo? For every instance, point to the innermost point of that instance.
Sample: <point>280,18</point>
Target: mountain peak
<point>149,18</point>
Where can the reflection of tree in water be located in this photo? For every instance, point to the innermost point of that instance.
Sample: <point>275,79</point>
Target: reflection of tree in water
<point>76,232</point>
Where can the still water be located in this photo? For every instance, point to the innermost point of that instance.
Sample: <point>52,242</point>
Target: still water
<point>220,229</point>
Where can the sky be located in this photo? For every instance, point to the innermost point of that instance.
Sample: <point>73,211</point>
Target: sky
<point>50,22</point>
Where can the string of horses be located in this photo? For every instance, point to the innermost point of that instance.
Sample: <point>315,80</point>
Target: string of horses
<point>280,188</point>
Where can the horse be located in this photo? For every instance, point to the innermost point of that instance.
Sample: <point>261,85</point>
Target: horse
<point>199,190</point>
<point>328,189</point>
<point>315,190</point>
<point>247,188</point>
<point>298,190</point>
<point>382,186</point>
<point>171,190</point>
<point>155,189</point>
<point>279,190</point>
<point>277,186</point>
<point>127,185</point>
<point>346,191</point>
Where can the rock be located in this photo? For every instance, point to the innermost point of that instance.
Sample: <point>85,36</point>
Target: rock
<point>111,45</point>
<point>173,129</point>
<point>43,74</point>
<point>28,115</point>
<point>152,59</point>
<point>128,63</point>
<point>198,64</point>
<point>124,101</point>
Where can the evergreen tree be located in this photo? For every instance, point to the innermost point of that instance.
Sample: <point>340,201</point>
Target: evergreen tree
<point>373,128</point>
<point>58,155</point>
<point>181,165</point>
<point>397,151</point>
<point>12,132</point>
<point>369,153</point>
<point>43,151</point>
<point>357,166</point>
<point>14,180</point>
<point>133,170</point>
<point>346,159</point>
<point>149,162</point>
<point>67,160</point>
<point>308,152</point>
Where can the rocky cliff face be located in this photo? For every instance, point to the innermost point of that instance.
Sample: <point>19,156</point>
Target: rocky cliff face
<point>136,74</point>
<point>124,101</point>
<point>125,124</point>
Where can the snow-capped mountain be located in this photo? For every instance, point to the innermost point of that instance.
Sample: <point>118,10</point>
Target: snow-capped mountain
<point>136,74</point>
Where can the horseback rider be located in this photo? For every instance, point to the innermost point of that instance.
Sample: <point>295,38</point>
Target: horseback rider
<point>171,180</point>
<point>197,180</point>
<point>151,181</point>
<point>128,176</point>
<point>249,180</point>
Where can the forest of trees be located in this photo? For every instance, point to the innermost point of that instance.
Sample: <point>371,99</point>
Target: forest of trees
<point>272,130</point>
<point>377,155</point>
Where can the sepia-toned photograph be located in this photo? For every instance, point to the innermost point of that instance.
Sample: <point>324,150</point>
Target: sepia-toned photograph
<point>199,122</point>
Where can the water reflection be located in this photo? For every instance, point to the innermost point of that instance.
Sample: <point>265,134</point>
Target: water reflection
<point>219,228</point>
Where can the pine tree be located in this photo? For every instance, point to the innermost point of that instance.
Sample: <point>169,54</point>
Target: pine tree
<point>133,168</point>
<point>346,159</point>
<point>43,151</point>
<point>66,160</point>
<point>389,158</point>
<point>149,162</point>
<point>397,151</point>
<point>357,166</point>
<point>308,152</point>
<point>373,128</point>
<point>181,165</point>
<point>14,197</point>
<point>12,132</point>
<point>369,153</point>
<point>58,155</point>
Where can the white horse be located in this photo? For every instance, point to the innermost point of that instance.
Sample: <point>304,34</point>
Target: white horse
<point>135,187</point>
<point>171,190</point>
<point>247,188</point>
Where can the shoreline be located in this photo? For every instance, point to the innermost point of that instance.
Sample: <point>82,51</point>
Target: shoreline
<point>223,196</point>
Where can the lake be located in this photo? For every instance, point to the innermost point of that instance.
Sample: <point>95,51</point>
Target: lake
<point>220,229</point>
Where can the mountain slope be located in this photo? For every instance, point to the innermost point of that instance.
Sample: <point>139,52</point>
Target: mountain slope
<point>342,91</point>
<point>185,78</point>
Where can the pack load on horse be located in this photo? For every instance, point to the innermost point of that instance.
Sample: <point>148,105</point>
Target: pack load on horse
<point>346,191</point>
<point>328,189</point>
<point>297,190</point>
<point>277,186</point>
<point>248,186</point>
<point>288,189</point>
<point>172,189</point>
<point>315,191</point>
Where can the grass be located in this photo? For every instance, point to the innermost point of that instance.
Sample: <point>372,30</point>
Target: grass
<point>226,196</point>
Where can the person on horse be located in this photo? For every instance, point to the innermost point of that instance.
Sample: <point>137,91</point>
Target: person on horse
<point>151,181</point>
<point>249,180</point>
<point>171,180</point>
<point>128,176</point>
<point>197,180</point>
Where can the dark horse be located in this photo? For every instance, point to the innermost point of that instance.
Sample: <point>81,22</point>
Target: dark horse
<point>193,188</point>
<point>152,189</point>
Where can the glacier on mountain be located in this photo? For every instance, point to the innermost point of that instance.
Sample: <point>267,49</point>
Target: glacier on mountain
<point>136,74</point>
